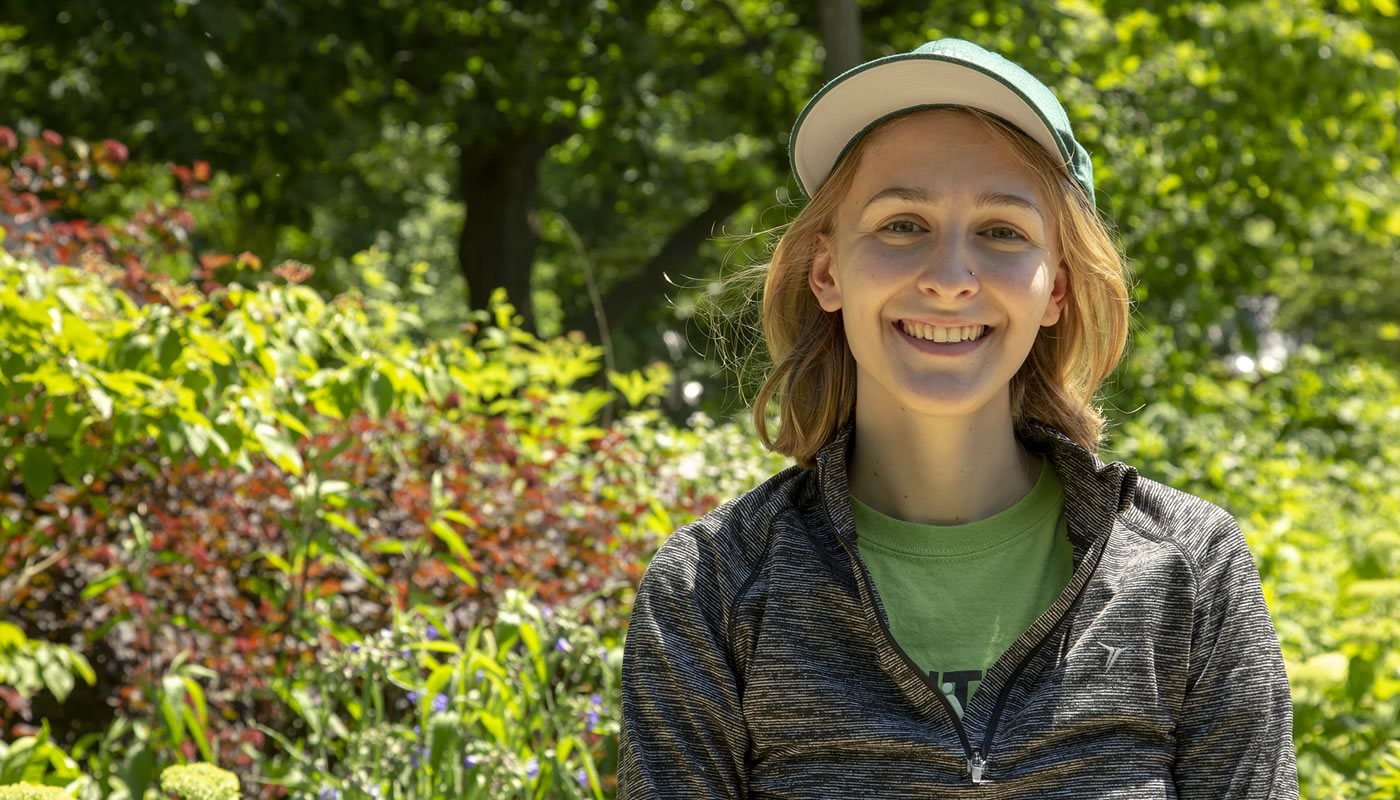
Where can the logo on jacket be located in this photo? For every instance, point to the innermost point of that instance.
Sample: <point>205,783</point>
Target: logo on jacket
<point>1113,653</point>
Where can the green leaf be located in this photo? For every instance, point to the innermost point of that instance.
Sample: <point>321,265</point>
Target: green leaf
<point>278,448</point>
<point>172,696</point>
<point>378,393</point>
<point>454,542</point>
<point>437,681</point>
<point>37,467</point>
<point>201,739</point>
<point>341,523</point>
<point>57,678</point>
<point>11,635</point>
<point>358,564</point>
<point>465,576</point>
<point>279,562</point>
<point>56,382</point>
<point>79,664</point>
<point>197,436</point>
<point>494,725</point>
<point>63,421</point>
<point>103,582</point>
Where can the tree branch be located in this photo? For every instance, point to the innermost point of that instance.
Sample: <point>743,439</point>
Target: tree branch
<point>636,292</point>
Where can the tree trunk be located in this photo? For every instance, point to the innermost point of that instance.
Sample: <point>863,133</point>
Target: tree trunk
<point>840,36</point>
<point>497,245</point>
<point>647,287</point>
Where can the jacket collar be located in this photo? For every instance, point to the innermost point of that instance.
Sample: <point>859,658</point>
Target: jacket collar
<point>1095,492</point>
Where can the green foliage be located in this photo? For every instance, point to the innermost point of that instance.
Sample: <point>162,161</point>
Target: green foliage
<point>223,572</point>
<point>29,791</point>
<point>199,782</point>
<point>1306,459</point>
<point>516,708</point>
<point>37,760</point>
<point>1225,185</point>
<point>30,665</point>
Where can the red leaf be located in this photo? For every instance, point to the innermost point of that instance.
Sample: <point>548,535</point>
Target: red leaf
<point>114,150</point>
<point>212,261</point>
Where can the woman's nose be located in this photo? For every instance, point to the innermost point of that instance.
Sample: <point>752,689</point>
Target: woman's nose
<point>948,268</point>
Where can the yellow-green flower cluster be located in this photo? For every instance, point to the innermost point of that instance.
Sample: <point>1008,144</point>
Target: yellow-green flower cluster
<point>199,782</point>
<point>30,791</point>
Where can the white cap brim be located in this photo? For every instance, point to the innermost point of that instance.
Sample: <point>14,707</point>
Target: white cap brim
<point>858,102</point>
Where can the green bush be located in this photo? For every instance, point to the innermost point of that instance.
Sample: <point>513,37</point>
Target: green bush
<point>309,543</point>
<point>1307,459</point>
<point>370,476</point>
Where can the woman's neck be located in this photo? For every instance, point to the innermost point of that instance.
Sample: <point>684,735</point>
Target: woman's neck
<point>968,470</point>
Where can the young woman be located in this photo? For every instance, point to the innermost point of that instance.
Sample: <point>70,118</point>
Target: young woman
<point>950,591</point>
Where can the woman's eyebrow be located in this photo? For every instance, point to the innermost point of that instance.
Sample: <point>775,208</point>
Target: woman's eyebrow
<point>984,200</point>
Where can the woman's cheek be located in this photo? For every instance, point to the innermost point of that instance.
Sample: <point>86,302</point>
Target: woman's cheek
<point>883,256</point>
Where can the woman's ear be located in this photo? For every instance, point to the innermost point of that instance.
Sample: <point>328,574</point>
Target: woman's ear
<point>1059,296</point>
<point>822,278</point>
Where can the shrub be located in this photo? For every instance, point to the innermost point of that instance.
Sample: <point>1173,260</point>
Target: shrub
<point>207,482</point>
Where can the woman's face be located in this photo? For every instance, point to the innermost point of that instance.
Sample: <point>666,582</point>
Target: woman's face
<point>931,229</point>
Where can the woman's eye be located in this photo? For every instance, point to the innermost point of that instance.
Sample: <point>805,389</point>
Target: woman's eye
<point>912,226</point>
<point>1013,237</point>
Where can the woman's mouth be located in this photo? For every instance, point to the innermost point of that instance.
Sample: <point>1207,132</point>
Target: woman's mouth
<point>944,348</point>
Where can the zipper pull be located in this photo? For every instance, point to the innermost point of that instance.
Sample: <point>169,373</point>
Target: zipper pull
<point>977,763</point>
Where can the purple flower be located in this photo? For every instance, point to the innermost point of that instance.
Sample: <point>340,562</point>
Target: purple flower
<point>597,699</point>
<point>592,721</point>
<point>582,777</point>
<point>469,761</point>
<point>354,648</point>
<point>440,703</point>
<point>563,645</point>
<point>414,758</point>
<point>330,794</point>
<point>413,697</point>
<point>433,633</point>
<point>478,674</point>
<point>532,767</point>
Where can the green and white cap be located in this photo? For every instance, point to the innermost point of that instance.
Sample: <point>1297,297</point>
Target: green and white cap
<point>944,72</point>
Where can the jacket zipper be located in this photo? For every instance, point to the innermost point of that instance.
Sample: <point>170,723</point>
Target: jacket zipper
<point>976,758</point>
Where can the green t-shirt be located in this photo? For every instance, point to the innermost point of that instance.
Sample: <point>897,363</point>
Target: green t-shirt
<point>958,596</point>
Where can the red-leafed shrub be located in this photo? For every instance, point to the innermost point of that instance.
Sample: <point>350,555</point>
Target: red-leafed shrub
<point>214,489</point>
<point>211,587</point>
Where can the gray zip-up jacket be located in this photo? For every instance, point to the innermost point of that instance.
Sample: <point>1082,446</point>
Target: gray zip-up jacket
<point>758,661</point>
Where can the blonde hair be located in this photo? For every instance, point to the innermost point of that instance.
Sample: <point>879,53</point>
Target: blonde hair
<point>812,372</point>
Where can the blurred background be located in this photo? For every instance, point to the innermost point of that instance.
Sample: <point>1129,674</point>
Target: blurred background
<point>535,207</point>
<point>603,162</point>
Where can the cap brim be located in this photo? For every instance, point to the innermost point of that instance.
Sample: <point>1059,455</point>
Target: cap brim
<point>863,97</point>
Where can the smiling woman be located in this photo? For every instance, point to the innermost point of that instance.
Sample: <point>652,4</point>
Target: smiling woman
<point>951,237</point>
<point>949,586</point>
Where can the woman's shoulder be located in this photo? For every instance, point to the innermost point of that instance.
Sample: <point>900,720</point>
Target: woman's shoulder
<point>726,544</point>
<point>1204,530</point>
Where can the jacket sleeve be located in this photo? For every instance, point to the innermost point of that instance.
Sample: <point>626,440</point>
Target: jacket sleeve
<point>1235,735</point>
<point>683,733</point>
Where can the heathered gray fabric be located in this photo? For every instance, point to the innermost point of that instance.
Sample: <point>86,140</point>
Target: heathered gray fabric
<point>758,661</point>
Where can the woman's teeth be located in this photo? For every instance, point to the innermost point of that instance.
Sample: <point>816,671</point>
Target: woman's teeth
<point>949,335</point>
